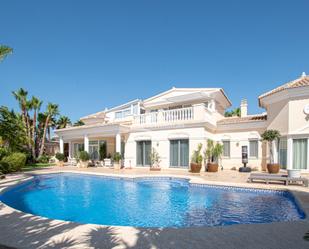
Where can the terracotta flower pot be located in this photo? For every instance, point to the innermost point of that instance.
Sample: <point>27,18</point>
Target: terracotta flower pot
<point>212,167</point>
<point>195,167</point>
<point>273,168</point>
<point>60,163</point>
<point>155,168</point>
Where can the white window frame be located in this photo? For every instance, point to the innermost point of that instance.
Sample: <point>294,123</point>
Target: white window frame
<point>229,141</point>
<point>257,153</point>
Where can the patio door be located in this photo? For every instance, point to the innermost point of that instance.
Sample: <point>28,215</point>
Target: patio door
<point>300,153</point>
<point>179,153</point>
<point>143,150</point>
<point>282,152</point>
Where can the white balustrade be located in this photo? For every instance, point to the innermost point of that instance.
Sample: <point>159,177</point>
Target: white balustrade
<point>168,116</point>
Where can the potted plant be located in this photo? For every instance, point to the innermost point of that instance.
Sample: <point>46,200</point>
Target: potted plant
<point>269,136</point>
<point>196,160</point>
<point>83,159</point>
<point>60,157</point>
<point>117,160</point>
<point>155,160</point>
<point>212,155</point>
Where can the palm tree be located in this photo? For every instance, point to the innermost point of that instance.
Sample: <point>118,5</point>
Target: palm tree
<point>52,111</point>
<point>62,122</point>
<point>21,96</point>
<point>36,105</point>
<point>232,113</point>
<point>79,123</point>
<point>4,51</point>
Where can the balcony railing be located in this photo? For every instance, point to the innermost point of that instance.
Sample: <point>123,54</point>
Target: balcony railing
<point>181,115</point>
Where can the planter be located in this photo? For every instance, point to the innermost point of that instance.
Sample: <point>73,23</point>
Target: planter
<point>195,167</point>
<point>294,173</point>
<point>155,168</point>
<point>212,167</point>
<point>83,164</point>
<point>117,165</point>
<point>60,163</point>
<point>273,168</point>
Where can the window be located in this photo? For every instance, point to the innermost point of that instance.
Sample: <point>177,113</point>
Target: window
<point>143,150</point>
<point>179,153</point>
<point>77,148</point>
<point>282,152</point>
<point>253,148</point>
<point>300,153</point>
<point>123,113</point>
<point>226,148</point>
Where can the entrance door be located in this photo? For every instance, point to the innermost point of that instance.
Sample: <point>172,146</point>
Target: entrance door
<point>300,153</point>
<point>179,153</point>
<point>143,150</point>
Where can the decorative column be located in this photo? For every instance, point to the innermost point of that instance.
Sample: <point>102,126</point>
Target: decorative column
<point>70,149</point>
<point>86,143</point>
<point>61,146</point>
<point>275,151</point>
<point>290,154</point>
<point>118,143</point>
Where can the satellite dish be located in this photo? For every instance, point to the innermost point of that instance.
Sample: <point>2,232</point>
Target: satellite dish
<point>306,109</point>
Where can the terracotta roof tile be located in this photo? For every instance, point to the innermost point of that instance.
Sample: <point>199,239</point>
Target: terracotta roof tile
<point>250,118</point>
<point>300,82</point>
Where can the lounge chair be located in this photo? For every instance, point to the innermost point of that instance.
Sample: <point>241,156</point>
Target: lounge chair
<point>277,178</point>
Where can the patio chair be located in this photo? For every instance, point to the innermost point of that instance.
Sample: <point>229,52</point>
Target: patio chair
<point>108,162</point>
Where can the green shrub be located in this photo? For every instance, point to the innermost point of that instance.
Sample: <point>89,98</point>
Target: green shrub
<point>117,157</point>
<point>15,161</point>
<point>3,152</point>
<point>60,156</point>
<point>43,159</point>
<point>84,156</point>
<point>4,167</point>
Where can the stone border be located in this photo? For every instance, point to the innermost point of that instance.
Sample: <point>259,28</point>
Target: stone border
<point>17,227</point>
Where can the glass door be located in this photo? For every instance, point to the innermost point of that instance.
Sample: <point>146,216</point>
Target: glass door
<point>282,152</point>
<point>179,153</point>
<point>300,153</point>
<point>143,150</point>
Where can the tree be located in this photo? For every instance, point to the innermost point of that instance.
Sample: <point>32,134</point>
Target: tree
<point>52,111</point>
<point>12,130</point>
<point>21,96</point>
<point>4,51</point>
<point>79,123</point>
<point>232,113</point>
<point>63,122</point>
<point>270,136</point>
<point>36,105</point>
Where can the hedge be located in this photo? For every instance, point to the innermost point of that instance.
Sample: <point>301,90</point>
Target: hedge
<point>14,161</point>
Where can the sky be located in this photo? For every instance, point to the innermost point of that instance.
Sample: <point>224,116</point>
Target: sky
<point>88,55</point>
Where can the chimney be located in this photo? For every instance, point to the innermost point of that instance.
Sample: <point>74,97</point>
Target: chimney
<point>243,108</point>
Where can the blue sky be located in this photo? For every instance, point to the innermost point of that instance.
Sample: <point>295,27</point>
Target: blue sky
<point>88,55</point>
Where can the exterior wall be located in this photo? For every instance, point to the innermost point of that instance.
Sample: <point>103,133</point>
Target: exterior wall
<point>160,141</point>
<point>237,140</point>
<point>298,120</point>
<point>278,117</point>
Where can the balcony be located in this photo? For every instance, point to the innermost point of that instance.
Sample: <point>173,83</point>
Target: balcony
<point>196,113</point>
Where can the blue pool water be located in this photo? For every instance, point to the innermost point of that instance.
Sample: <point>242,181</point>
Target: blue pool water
<point>147,202</point>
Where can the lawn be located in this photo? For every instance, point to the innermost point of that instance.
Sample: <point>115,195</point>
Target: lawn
<point>37,166</point>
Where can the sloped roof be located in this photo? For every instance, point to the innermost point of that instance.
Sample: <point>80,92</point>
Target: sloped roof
<point>300,82</point>
<point>249,118</point>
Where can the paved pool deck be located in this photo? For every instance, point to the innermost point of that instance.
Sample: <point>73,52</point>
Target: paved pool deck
<point>21,230</point>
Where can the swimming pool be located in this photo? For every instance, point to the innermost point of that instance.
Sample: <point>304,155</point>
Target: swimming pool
<point>147,202</point>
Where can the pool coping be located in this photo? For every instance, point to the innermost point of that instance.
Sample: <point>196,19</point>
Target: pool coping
<point>301,197</point>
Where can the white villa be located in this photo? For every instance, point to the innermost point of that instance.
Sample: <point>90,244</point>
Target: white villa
<point>174,122</point>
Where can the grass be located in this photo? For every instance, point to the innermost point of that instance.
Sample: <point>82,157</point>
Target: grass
<point>37,166</point>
